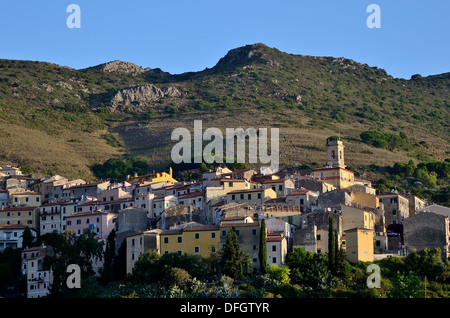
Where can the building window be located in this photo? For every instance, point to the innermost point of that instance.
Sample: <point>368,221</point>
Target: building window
<point>259,195</point>
<point>166,240</point>
<point>224,233</point>
<point>197,236</point>
<point>196,249</point>
<point>213,235</point>
<point>213,249</point>
<point>180,239</point>
<point>274,248</point>
<point>233,197</point>
<point>274,259</point>
<point>249,196</point>
<point>394,212</point>
<point>237,232</point>
<point>318,237</point>
<point>253,231</point>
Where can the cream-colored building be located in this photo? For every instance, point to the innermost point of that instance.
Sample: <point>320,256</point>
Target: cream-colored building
<point>256,197</point>
<point>139,243</point>
<point>355,217</point>
<point>359,245</point>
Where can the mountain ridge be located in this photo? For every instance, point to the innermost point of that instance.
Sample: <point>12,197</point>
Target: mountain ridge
<point>308,97</point>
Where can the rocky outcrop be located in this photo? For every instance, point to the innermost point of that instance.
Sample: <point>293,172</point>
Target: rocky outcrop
<point>140,98</point>
<point>120,67</point>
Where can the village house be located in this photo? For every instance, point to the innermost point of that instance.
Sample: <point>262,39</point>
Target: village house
<point>218,173</point>
<point>11,236</point>
<point>3,198</point>
<point>160,204</point>
<point>50,218</point>
<point>38,277</point>
<point>305,198</point>
<point>335,173</point>
<point>153,178</point>
<point>195,199</point>
<point>101,223</point>
<point>139,243</point>
<point>46,186</point>
<point>427,230</point>
<point>145,201</point>
<point>276,250</point>
<point>359,245</point>
<point>396,207</point>
<point>8,170</point>
<point>190,238</point>
<point>355,217</point>
<point>21,197</point>
<point>281,186</point>
<point>28,216</point>
<point>248,233</point>
<point>86,190</point>
<point>256,197</point>
<point>129,221</point>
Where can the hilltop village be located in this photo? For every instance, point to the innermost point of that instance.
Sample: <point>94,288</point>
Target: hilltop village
<point>156,212</point>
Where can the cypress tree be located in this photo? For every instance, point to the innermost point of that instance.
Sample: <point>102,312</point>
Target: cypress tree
<point>331,247</point>
<point>231,257</point>
<point>262,253</point>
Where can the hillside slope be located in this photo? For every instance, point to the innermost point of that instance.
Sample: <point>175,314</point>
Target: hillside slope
<point>57,119</point>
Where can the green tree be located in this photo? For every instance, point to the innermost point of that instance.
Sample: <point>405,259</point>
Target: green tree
<point>233,260</point>
<point>82,250</point>
<point>262,253</point>
<point>27,238</point>
<point>107,272</point>
<point>280,274</point>
<point>331,244</point>
<point>406,286</point>
<point>308,268</point>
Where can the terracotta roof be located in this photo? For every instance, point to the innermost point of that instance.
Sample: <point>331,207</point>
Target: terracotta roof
<point>273,181</point>
<point>192,195</point>
<point>87,213</point>
<point>206,227</point>
<point>12,226</point>
<point>246,190</point>
<point>28,208</point>
<point>275,239</point>
<point>26,193</point>
<point>231,224</point>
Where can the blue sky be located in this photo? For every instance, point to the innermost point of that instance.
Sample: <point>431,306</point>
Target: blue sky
<point>179,36</point>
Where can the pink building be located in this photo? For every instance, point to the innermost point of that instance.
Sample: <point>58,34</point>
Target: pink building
<point>101,223</point>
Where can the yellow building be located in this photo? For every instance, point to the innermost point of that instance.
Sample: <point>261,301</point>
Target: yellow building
<point>195,238</point>
<point>24,198</point>
<point>251,196</point>
<point>153,177</point>
<point>355,217</point>
<point>336,176</point>
<point>359,245</point>
<point>335,173</point>
<point>28,216</point>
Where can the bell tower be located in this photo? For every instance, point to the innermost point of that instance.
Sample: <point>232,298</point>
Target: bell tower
<point>335,153</point>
